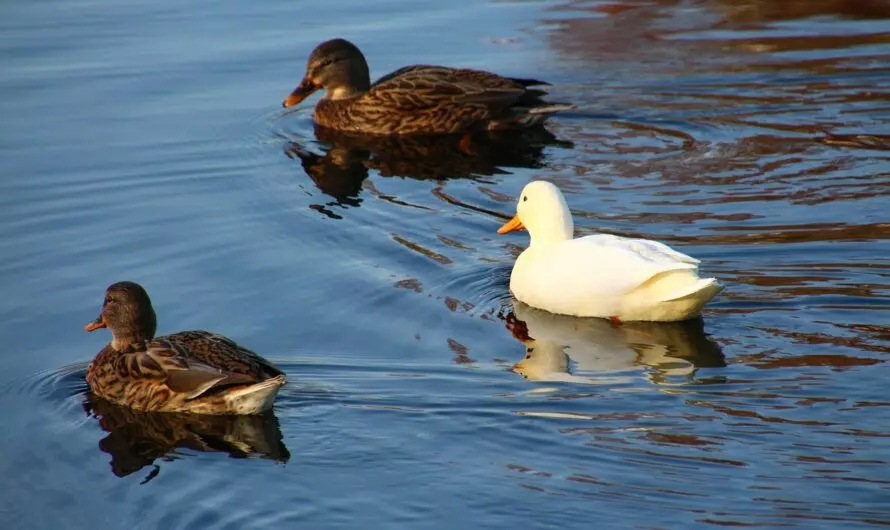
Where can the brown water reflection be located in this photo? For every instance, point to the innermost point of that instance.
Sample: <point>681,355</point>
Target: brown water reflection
<point>347,159</point>
<point>766,11</point>
<point>138,439</point>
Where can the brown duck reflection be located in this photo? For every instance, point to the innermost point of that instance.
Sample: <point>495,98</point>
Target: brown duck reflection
<point>136,439</point>
<point>582,350</point>
<point>346,159</point>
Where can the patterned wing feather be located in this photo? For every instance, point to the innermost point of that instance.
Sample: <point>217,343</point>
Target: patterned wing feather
<point>436,99</point>
<point>185,373</point>
<point>222,353</point>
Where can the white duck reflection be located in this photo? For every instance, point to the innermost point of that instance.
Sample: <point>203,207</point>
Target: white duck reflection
<point>594,351</point>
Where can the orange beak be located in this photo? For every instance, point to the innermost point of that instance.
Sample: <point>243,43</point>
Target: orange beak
<point>511,225</point>
<point>303,91</point>
<point>94,325</point>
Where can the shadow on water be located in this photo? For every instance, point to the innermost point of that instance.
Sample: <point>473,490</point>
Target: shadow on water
<point>586,350</point>
<point>346,160</point>
<point>137,439</point>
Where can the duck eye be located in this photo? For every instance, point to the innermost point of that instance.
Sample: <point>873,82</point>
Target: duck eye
<point>107,300</point>
<point>525,198</point>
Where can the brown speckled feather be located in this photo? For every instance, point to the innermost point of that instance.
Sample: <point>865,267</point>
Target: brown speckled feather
<point>187,371</point>
<point>219,351</point>
<point>424,99</point>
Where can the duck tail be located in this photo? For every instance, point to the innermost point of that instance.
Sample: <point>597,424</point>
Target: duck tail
<point>527,115</point>
<point>703,289</point>
<point>550,108</point>
<point>256,398</point>
<point>528,82</point>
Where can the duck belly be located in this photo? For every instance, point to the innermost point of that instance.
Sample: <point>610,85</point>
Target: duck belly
<point>536,284</point>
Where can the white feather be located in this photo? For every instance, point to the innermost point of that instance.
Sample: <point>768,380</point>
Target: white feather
<point>256,398</point>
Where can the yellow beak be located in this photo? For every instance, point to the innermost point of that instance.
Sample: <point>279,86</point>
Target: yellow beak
<point>511,225</point>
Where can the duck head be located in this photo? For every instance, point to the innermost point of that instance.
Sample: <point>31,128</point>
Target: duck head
<point>338,67</point>
<point>127,313</point>
<point>542,210</point>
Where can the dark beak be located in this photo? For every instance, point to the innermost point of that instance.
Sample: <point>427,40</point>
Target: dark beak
<point>99,323</point>
<point>303,91</point>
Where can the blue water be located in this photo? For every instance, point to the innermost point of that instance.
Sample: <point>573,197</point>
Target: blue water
<point>145,141</point>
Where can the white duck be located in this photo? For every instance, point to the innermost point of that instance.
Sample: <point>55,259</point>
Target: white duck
<point>599,275</point>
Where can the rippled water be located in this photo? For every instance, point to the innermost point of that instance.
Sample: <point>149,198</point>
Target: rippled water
<point>144,141</point>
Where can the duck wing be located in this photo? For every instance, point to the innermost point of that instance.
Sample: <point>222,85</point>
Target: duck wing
<point>195,362</point>
<point>653,251</point>
<point>222,353</point>
<point>170,363</point>
<point>480,77</point>
<point>476,80</point>
<point>438,99</point>
<point>606,265</point>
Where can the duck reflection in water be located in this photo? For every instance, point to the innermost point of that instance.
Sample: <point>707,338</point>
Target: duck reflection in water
<point>136,439</point>
<point>582,350</point>
<point>346,159</point>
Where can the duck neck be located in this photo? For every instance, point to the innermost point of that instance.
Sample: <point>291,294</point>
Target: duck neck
<point>343,92</point>
<point>552,230</point>
<point>135,333</point>
<point>128,341</point>
<point>351,81</point>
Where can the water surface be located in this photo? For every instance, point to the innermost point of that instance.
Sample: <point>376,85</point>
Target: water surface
<point>144,141</point>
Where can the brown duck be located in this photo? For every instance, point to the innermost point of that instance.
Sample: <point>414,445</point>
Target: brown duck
<point>189,371</point>
<point>418,99</point>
